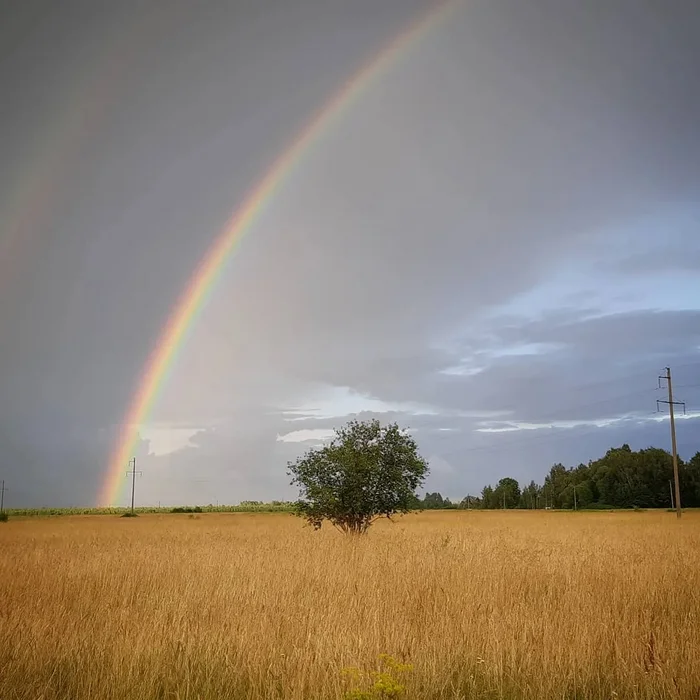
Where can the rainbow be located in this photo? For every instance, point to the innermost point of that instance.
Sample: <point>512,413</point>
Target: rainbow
<point>202,282</point>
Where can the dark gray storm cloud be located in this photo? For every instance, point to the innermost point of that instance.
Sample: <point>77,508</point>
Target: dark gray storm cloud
<point>495,236</point>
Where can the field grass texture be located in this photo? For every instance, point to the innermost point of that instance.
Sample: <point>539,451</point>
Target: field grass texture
<point>467,605</point>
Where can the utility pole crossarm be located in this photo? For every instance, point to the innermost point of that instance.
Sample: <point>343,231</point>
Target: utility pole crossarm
<point>668,403</point>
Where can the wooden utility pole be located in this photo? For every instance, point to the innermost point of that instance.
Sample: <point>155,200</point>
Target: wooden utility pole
<point>574,496</point>
<point>2,496</point>
<point>133,472</point>
<point>671,403</point>
<point>670,488</point>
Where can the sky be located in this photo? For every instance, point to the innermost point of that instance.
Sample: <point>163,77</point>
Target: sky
<point>495,244</point>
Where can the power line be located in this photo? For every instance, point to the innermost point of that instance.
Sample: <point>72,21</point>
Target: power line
<point>576,407</point>
<point>687,364</point>
<point>552,433</point>
<point>536,439</point>
<point>599,402</point>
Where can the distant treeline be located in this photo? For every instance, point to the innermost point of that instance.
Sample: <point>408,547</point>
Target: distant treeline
<point>621,479</point>
<point>242,507</point>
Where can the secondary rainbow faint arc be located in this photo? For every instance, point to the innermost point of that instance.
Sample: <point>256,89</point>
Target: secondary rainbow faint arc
<point>212,264</point>
<point>39,185</point>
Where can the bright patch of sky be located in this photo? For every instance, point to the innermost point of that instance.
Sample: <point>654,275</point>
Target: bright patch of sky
<point>626,269</point>
<point>316,435</point>
<point>524,350</point>
<point>339,401</point>
<point>164,440</point>
<point>583,285</point>
<point>463,370</point>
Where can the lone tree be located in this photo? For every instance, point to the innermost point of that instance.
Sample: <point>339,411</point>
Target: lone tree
<point>366,472</point>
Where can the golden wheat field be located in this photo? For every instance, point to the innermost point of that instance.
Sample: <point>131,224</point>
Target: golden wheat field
<point>466,604</point>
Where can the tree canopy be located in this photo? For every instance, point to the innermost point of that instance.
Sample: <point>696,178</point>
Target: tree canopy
<point>621,478</point>
<point>367,471</point>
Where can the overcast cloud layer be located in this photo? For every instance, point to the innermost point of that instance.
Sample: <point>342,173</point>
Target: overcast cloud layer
<point>496,244</point>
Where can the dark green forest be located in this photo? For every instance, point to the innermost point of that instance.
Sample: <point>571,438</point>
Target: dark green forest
<point>622,478</point>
